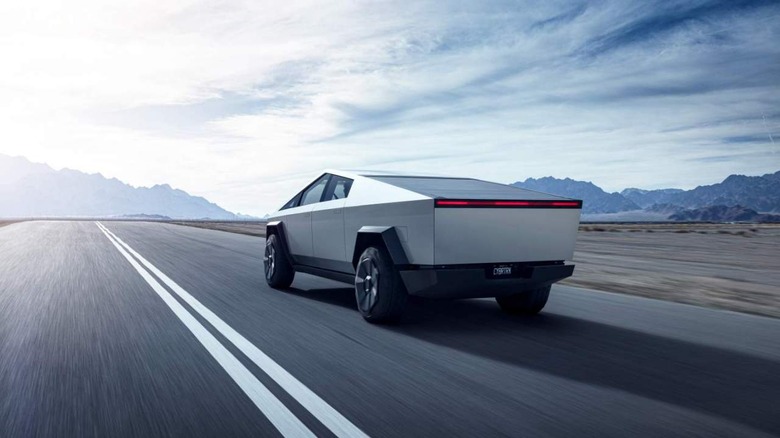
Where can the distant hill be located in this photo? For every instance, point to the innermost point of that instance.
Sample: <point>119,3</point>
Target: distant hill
<point>646,198</point>
<point>722,213</point>
<point>594,199</point>
<point>664,208</point>
<point>36,190</point>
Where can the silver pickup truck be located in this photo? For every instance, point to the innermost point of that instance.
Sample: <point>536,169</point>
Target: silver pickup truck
<point>394,235</point>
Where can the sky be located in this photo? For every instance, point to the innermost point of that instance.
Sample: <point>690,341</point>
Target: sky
<point>244,102</point>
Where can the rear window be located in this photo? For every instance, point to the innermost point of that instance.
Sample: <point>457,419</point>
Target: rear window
<point>465,188</point>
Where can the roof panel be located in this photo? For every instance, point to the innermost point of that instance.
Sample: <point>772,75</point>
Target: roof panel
<point>461,188</point>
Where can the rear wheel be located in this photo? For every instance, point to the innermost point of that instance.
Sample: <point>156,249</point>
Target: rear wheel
<point>279,273</point>
<point>380,294</point>
<point>529,302</point>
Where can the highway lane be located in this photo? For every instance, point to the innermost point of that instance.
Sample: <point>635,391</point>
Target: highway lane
<point>89,348</point>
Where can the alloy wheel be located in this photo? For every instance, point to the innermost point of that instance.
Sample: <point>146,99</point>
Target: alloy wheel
<point>269,261</point>
<point>367,284</point>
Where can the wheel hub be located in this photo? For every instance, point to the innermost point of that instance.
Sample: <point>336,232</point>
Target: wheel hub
<point>269,261</point>
<point>366,284</point>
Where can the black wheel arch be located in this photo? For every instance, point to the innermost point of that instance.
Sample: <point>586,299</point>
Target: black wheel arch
<point>277,228</point>
<point>381,237</point>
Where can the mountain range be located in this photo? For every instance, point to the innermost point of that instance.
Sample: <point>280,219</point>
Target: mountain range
<point>594,199</point>
<point>721,213</point>
<point>759,194</point>
<point>36,190</point>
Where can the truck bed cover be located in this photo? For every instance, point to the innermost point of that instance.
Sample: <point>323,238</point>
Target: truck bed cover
<point>462,188</point>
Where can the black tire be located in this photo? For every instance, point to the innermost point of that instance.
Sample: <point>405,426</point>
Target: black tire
<point>529,302</point>
<point>279,273</point>
<point>381,301</point>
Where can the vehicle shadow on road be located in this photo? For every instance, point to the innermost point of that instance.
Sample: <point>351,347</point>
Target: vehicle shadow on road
<point>344,297</point>
<point>729,384</point>
<point>715,381</point>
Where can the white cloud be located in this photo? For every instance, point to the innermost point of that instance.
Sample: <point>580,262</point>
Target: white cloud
<point>621,95</point>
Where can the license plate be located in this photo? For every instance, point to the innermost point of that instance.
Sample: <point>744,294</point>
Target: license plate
<point>502,270</point>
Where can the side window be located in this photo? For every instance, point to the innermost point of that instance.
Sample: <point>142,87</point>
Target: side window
<point>338,188</point>
<point>314,193</point>
<point>292,203</point>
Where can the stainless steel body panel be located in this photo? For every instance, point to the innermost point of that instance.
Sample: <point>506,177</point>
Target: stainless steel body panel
<point>498,235</point>
<point>327,227</point>
<point>297,221</point>
<point>413,221</point>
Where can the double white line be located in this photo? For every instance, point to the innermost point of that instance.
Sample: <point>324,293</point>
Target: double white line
<point>281,417</point>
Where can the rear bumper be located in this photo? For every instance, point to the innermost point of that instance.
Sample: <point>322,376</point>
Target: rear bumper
<point>474,281</point>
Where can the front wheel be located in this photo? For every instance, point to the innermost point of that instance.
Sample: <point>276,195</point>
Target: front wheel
<point>529,302</point>
<point>379,291</point>
<point>279,273</point>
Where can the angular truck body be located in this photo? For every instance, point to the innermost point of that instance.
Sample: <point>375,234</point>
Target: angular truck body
<point>396,235</point>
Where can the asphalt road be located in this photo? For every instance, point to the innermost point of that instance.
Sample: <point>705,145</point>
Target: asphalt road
<point>184,338</point>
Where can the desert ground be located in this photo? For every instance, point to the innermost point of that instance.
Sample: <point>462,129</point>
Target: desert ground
<point>726,266</point>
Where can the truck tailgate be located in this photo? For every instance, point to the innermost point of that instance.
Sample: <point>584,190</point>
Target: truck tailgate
<point>500,235</point>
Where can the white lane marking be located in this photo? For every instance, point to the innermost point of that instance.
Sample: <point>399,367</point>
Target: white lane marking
<point>276,412</point>
<point>326,414</point>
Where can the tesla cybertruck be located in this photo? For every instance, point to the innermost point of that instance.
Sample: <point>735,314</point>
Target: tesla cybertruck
<point>395,235</point>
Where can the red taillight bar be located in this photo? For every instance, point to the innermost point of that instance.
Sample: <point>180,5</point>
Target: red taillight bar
<point>510,204</point>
